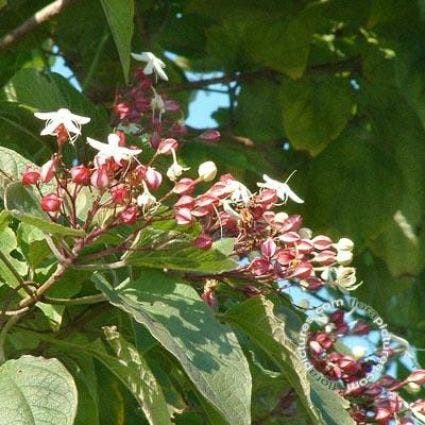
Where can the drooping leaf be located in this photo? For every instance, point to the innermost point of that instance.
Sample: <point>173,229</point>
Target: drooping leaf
<point>207,350</point>
<point>256,318</point>
<point>36,391</point>
<point>131,368</point>
<point>119,14</point>
<point>315,111</point>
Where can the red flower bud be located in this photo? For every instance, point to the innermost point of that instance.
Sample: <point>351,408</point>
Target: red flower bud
<point>129,214</point>
<point>51,203</point>
<point>122,136</point>
<point>62,134</point>
<point>80,174</point>
<point>30,177</point>
<point>203,241</point>
<point>119,194</point>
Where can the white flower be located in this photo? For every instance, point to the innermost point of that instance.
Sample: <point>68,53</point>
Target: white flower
<point>63,116</point>
<point>342,277</point>
<point>111,149</point>
<point>175,170</point>
<point>146,200</point>
<point>283,191</point>
<point>153,64</point>
<point>207,171</point>
<point>239,192</point>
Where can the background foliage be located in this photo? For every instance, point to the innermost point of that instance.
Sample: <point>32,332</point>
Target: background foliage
<point>334,89</point>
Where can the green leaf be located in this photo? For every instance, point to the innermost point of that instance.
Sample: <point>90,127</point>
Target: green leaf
<point>255,118</point>
<point>12,165</point>
<point>256,318</point>
<point>207,350</point>
<point>131,368</point>
<point>22,204</point>
<point>8,243</point>
<point>315,111</point>
<point>120,14</point>
<point>346,183</point>
<point>83,371</point>
<point>36,391</point>
<point>49,92</point>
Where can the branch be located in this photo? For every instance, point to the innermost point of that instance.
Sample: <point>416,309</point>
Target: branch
<point>43,15</point>
<point>226,79</point>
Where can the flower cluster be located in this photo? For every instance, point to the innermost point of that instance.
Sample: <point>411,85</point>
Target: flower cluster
<point>140,109</point>
<point>371,401</point>
<point>270,246</point>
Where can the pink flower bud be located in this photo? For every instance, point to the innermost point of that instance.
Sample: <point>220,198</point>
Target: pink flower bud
<point>321,242</point>
<point>119,194</point>
<point>30,177</point>
<point>129,214</point>
<point>383,414</point>
<point>100,177</point>
<point>302,271</point>
<point>185,202</point>
<point>172,106</point>
<point>314,283</point>
<point>153,178</point>
<point>184,186</point>
<point>268,248</point>
<point>80,174</point>
<point>304,246</point>
<point>260,266</point>
<point>51,203</point>
<point>289,237</point>
<point>165,146</point>
<point>48,170</point>
<point>203,241</point>
<point>123,138</point>
<point>418,377</point>
<point>361,328</point>
<point>325,258</point>
<point>183,216</point>
<point>155,139</point>
<point>210,136</point>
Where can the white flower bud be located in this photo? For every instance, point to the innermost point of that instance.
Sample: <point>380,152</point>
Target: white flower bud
<point>344,244</point>
<point>305,233</point>
<point>207,171</point>
<point>344,257</point>
<point>358,352</point>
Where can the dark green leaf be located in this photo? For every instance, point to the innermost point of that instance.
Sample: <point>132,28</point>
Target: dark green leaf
<point>119,14</point>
